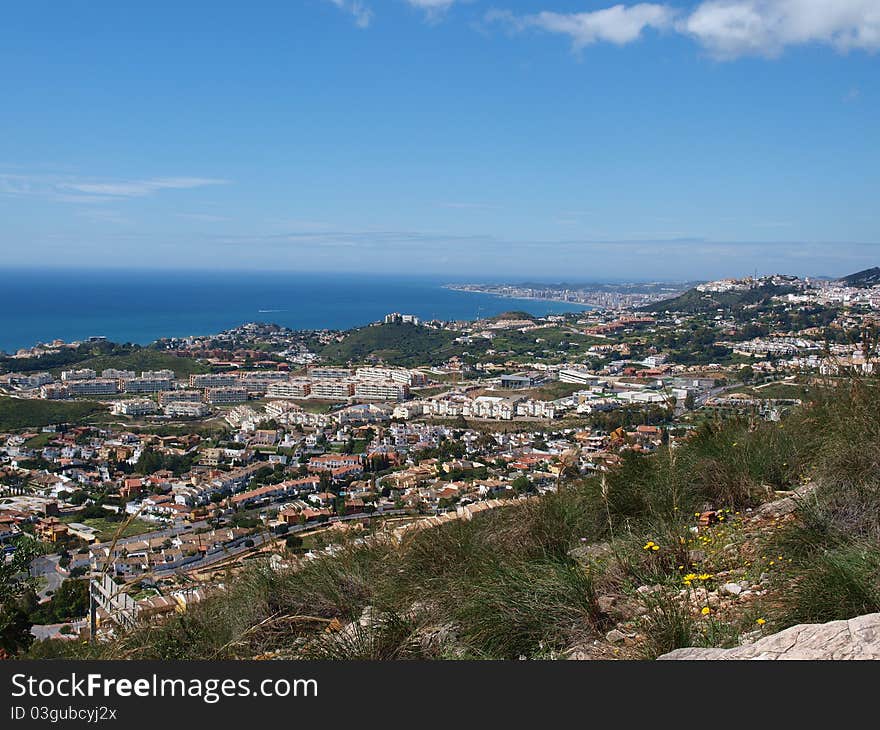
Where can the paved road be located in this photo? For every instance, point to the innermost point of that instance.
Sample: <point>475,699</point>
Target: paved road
<point>44,567</point>
<point>164,532</point>
<point>51,631</point>
<point>261,538</point>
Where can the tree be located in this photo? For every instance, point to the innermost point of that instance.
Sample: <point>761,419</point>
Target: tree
<point>689,400</point>
<point>15,629</point>
<point>521,484</point>
<point>15,582</point>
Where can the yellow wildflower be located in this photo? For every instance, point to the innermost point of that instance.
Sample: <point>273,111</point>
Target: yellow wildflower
<point>760,622</point>
<point>706,611</point>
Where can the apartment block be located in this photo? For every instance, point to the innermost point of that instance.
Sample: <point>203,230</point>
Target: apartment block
<point>185,409</point>
<point>135,407</point>
<point>84,374</point>
<point>180,396</point>
<point>329,373</point>
<point>213,380</point>
<point>381,390</point>
<point>298,388</point>
<point>333,389</point>
<point>146,385</point>
<point>222,395</point>
<point>99,386</point>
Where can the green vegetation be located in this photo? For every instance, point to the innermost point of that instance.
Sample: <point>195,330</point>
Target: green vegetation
<point>548,391</point>
<point>866,278</point>
<point>152,461</point>
<point>70,601</point>
<point>394,344</point>
<point>557,344</point>
<point>39,441</point>
<point>107,527</point>
<point>511,583</point>
<point>144,358</point>
<point>694,302</point>
<point>16,591</point>
<point>101,355</point>
<point>512,315</point>
<point>20,413</point>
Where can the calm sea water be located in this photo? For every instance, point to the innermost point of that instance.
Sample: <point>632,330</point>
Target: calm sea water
<point>141,306</point>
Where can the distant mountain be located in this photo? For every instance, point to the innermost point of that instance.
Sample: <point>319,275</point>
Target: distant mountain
<point>694,301</point>
<point>864,279</point>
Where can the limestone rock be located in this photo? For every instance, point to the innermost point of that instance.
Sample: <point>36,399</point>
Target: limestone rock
<point>615,637</point>
<point>786,505</point>
<point>857,638</point>
<point>585,554</point>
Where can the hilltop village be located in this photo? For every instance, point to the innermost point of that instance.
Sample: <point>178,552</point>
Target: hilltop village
<point>170,467</point>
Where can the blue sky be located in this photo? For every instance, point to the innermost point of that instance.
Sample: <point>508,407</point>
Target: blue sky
<point>527,138</point>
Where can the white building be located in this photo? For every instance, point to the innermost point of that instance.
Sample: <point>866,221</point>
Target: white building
<point>381,390</point>
<point>215,380</point>
<point>84,374</point>
<point>99,386</point>
<point>293,388</point>
<point>189,396</point>
<point>146,385</point>
<point>185,409</point>
<point>221,395</point>
<point>118,374</point>
<point>333,389</point>
<point>397,375</point>
<point>135,407</point>
<point>329,373</point>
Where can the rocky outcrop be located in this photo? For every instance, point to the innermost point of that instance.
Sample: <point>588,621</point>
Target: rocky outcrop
<point>787,504</point>
<point>858,638</point>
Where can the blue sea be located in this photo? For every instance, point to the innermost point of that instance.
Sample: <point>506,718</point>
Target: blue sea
<point>142,306</point>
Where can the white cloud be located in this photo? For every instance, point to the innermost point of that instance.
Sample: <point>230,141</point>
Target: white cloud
<point>432,6</point>
<point>619,24</point>
<point>726,28</point>
<point>69,189</point>
<point>361,13</point>
<point>732,28</point>
<point>138,188</point>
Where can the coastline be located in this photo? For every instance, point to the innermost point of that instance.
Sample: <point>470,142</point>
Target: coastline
<point>143,306</point>
<point>585,305</point>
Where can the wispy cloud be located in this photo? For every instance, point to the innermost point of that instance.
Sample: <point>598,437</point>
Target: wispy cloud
<point>359,10</point>
<point>71,189</point>
<point>433,9</point>
<point>470,206</point>
<point>727,29</point>
<point>204,217</point>
<point>104,216</point>
<point>619,24</point>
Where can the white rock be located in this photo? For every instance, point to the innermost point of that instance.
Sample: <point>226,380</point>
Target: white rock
<point>730,589</point>
<point>615,637</point>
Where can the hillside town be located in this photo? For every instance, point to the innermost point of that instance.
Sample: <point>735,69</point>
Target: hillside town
<point>264,442</point>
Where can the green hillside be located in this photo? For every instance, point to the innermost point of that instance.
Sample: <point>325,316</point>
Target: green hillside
<point>694,302</point>
<point>101,355</point>
<point>140,359</point>
<point>542,577</point>
<point>864,279</point>
<point>18,413</point>
<point>515,314</point>
<point>394,344</point>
